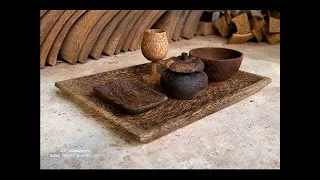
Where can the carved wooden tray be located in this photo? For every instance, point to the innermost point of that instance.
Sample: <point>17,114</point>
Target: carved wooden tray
<point>168,116</point>
<point>132,96</point>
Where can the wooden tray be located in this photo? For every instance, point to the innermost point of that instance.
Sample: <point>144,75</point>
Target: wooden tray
<point>168,116</point>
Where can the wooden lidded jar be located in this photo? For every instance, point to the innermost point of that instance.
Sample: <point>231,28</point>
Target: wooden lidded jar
<point>184,77</point>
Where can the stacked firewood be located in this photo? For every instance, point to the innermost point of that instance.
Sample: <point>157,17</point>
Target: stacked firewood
<point>243,26</point>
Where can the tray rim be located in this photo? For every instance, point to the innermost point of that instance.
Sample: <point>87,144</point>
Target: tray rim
<point>148,135</point>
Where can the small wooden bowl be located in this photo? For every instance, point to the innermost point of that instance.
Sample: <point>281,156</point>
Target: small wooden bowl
<point>220,63</point>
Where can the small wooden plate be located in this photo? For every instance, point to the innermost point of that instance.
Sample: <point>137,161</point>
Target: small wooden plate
<point>133,96</point>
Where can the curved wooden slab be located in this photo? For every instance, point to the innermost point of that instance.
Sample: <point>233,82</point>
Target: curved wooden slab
<point>196,22</point>
<point>47,43</point>
<point>168,22</point>
<point>127,30</point>
<point>55,48</point>
<point>94,34</point>
<point>240,38</point>
<point>42,12</point>
<point>134,29</point>
<point>191,24</point>
<point>47,22</point>
<point>184,22</point>
<point>114,38</point>
<point>205,28</point>
<point>177,29</point>
<point>151,23</point>
<point>78,33</point>
<point>99,45</point>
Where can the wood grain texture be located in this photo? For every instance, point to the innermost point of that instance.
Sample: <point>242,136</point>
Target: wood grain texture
<point>168,116</point>
<point>274,25</point>
<point>47,22</point>
<point>154,45</point>
<point>55,48</point>
<point>272,38</point>
<point>94,34</point>
<point>126,31</point>
<point>77,35</point>
<point>274,22</point>
<point>240,38</point>
<point>42,12</point>
<point>168,22</point>
<point>103,38</point>
<point>256,25</point>
<point>228,17</point>
<point>185,65</point>
<point>114,38</point>
<point>256,14</point>
<point>47,43</point>
<point>190,26</point>
<point>223,28</point>
<point>133,96</point>
<point>242,23</point>
<point>135,44</point>
<point>177,29</point>
<point>205,28</point>
<point>133,30</point>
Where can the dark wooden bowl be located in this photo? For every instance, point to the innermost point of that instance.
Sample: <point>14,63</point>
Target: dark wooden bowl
<point>220,63</point>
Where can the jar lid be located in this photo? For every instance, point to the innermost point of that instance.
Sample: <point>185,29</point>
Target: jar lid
<point>185,64</point>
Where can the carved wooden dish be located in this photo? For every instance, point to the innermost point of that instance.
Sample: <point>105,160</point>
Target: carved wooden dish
<point>133,96</point>
<point>168,116</point>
